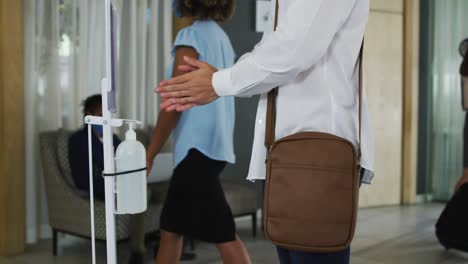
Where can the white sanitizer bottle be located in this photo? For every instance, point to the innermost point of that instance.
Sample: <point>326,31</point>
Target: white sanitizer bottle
<point>131,188</point>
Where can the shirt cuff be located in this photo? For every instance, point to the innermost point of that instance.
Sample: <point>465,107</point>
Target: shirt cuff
<point>367,176</point>
<point>221,82</point>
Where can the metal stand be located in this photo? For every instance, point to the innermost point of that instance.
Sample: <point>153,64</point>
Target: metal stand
<point>109,167</point>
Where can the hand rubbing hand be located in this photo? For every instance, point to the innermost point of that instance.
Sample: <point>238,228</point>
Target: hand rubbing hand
<point>189,90</point>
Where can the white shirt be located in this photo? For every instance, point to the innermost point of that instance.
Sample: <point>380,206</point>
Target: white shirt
<point>312,57</point>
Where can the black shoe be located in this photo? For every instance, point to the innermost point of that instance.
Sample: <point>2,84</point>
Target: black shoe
<point>136,258</point>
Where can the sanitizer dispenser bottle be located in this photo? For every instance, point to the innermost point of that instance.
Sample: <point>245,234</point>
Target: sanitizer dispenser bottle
<point>131,187</point>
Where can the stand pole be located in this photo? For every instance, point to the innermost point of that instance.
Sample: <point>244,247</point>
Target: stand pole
<point>108,146</point>
<point>91,193</point>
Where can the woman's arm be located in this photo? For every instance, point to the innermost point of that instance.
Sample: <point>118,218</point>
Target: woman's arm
<point>167,121</point>
<point>463,180</point>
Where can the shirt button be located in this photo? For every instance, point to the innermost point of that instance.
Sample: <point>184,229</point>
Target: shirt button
<point>260,121</point>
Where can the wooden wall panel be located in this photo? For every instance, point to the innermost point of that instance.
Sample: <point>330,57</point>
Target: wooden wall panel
<point>12,207</point>
<point>387,5</point>
<point>383,71</point>
<point>411,102</point>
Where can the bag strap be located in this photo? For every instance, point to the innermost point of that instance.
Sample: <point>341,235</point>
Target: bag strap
<point>273,94</point>
<point>271,106</point>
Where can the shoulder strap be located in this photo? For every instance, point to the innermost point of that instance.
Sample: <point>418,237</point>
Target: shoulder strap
<point>273,94</point>
<point>271,107</point>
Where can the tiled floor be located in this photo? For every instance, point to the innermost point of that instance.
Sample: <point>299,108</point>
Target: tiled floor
<point>393,235</point>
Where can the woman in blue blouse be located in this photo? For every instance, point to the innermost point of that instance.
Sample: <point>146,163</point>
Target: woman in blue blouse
<point>203,143</point>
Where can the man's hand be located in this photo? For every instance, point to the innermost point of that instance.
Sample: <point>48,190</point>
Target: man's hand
<point>188,90</point>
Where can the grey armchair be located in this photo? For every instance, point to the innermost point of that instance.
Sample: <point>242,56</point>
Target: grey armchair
<point>68,208</point>
<point>243,201</point>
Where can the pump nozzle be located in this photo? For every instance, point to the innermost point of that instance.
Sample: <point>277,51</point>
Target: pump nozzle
<point>130,134</point>
<point>131,125</point>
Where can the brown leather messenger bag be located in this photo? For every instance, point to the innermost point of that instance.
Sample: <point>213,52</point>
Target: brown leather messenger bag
<point>312,186</point>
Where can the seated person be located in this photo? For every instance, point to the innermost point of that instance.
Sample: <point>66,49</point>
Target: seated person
<point>78,157</point>
<point>78,151</point>
<point>464,76</point>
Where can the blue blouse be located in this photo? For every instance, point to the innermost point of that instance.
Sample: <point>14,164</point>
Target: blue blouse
<point>208,128</point>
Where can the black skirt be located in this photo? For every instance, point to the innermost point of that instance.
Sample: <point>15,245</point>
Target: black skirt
<point>195,205</point>
<point>465,142</point>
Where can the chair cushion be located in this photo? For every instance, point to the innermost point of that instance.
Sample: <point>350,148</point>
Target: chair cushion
<point>241,198</point>
<point>62,156</point>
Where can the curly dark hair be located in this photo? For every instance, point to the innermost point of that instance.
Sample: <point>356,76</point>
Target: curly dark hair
<point>91,104</point>
<point>217,10</point>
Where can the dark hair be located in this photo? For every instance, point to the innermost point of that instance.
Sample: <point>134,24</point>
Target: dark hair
<point>91,104</point>
<point>217,10</point>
